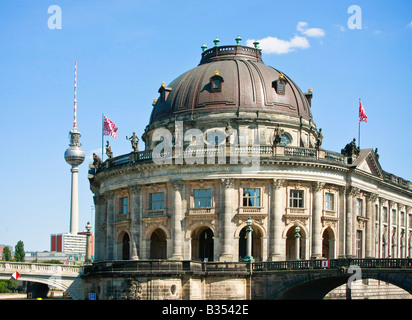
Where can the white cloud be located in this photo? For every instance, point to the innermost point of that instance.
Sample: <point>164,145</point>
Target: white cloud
<point>309,32</point>
<point>279,46</point>
<point>409,25</point>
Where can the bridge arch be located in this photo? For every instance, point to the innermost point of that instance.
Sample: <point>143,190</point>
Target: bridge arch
<point>309,286</point>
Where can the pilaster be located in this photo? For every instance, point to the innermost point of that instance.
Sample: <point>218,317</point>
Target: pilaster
<point>317,189</point>
<point>177,220</point>
<point>227,185</point>
<point>276,213</point>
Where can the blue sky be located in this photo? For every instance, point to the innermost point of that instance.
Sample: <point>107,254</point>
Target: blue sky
<point>126,49</point>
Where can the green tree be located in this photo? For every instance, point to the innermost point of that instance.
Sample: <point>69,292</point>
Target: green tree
<point>6,254</point>
<point>7,286</point>
<point>19,252</point>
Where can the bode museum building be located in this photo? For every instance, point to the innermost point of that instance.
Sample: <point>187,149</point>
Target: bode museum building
<point>234,139</point>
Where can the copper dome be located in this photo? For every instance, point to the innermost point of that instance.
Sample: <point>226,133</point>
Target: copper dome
<point>246,84</point>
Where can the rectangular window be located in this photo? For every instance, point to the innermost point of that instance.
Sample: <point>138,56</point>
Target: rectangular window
<point>296,199</point>
<point>329,201</point>
<point>402,219</point>
<point>385,215</point>
<point>359,245</point>
<point>393,216</point>
<point>376,212</point>
<point>157,201</point>
<point>123,205</point>
<point>202,198</point>
<point>358,207</point>
<point>251,197</point>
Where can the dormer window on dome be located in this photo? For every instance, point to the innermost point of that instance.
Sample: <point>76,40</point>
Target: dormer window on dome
<point>164,92</point>
<point>216,82</point>
<point>280,84</point>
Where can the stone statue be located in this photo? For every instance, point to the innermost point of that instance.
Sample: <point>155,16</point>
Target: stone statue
<point>97,161</point>
<point>134,141</point>
<point>109,152</point>
<point>229,132</point>
<point>351,149</point>
<point>319,139</point>
<point>278,136</point>
<point>376,153</point>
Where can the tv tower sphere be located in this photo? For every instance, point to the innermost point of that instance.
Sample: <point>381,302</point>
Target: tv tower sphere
<point>74,155</point>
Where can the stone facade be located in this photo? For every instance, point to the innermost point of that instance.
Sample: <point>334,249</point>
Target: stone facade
<point>233,139</point>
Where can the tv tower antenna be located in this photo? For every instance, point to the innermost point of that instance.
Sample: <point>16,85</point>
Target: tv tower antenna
<point>74,156</point>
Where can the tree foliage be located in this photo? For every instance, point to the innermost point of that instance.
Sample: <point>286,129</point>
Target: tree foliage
<point>6,254</point>
<point>19,252</point>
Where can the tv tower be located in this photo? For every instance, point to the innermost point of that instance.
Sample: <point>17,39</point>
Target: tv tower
<point>74,156</point>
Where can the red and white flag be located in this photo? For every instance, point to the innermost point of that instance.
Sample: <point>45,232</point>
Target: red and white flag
<point>362,113</point>
<point>109,128</point>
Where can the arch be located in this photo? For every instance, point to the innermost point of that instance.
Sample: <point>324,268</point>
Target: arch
<point>202,241</point>
<point>315,287</point>
<point>257,242</point>
<point>291,243</point>
<point>328,243</point>
<point>152,228</point>
<point>158,244</point>
<point>126,247</point>
<point>123,245</point>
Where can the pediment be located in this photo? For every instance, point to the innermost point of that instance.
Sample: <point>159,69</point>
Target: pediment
<point>368,162</point>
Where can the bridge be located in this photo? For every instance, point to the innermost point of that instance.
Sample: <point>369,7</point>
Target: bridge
<point>307,279</point>
<point>64,277</point>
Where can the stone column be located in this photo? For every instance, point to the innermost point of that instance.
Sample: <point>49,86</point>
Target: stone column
<point>389,248</point>
<point>136,219</point>
<point>276,213</point>
<point>342,222</point>
<point>370,225</point>
<point>407,211</point>
<point>227,215</point>
<point>356,194</point>
<point>350,221</point>
<point>316,220</point>
<point>177,220</point>
<point>109,225</point>
<point>99,232</point>
<point>379,254</point>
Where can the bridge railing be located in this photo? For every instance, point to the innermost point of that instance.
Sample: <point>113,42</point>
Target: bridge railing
<point>333,263</point>
<point>24,267</point>
<point>144,266</point>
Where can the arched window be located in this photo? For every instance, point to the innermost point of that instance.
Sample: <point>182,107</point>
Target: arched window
<point>280,84</point>
<point>216,82</point>
<point>158,245</point>
<point>126,247</point>
<point>164,92</point>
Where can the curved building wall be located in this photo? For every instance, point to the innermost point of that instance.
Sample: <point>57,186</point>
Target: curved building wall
<point>193,212</point>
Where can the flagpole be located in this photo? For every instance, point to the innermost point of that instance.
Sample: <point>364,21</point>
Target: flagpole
<point>359,127</point>
<point>102,134</point>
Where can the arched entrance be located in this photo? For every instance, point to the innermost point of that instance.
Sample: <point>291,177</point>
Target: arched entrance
<point>328,244</point>
<point>291,244</point>
<point>158,245</point>
<point>126,247</point>
<point>256,244</point>
<point>202,244</point>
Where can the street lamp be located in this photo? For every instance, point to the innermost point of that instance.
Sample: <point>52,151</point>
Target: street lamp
<point>88,244</point>
<point>297,242</point>
<point>249,230</point>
